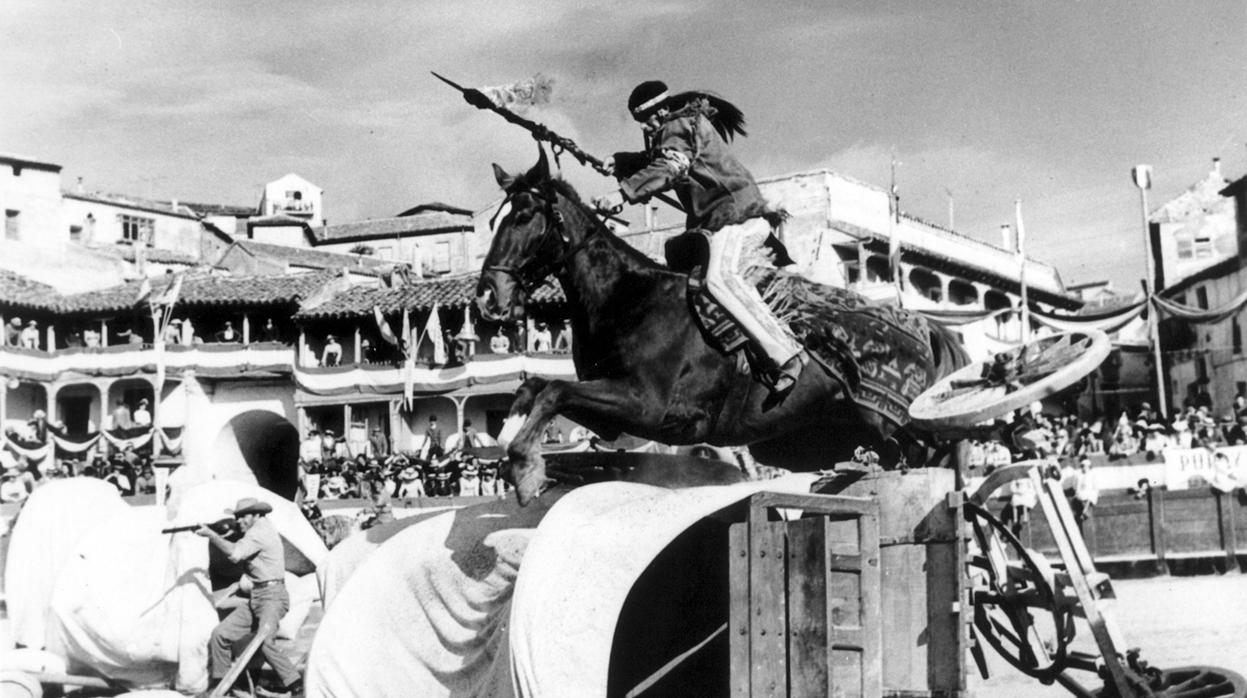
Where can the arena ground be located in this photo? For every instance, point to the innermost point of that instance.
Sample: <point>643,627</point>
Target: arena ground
<point>1176,621</point>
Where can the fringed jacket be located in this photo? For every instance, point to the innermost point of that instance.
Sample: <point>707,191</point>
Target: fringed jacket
<point>688,156</point>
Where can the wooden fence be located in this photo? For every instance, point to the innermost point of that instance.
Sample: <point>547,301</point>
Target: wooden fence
<point>1162,527</point>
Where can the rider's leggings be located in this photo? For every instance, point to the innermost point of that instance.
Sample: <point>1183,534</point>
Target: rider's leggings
<point>734,250</point>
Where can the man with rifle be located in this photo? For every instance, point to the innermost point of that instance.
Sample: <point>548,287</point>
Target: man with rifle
<point>261,554</point>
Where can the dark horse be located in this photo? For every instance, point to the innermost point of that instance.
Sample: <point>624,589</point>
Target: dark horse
<point>644,365</point>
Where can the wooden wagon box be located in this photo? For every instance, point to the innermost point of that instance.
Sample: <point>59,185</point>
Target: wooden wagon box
<point>857,594</point>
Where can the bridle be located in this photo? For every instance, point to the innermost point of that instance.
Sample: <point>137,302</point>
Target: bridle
<point>530,275</point>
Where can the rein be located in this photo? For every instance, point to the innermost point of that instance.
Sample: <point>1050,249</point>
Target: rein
<point>530,275</point>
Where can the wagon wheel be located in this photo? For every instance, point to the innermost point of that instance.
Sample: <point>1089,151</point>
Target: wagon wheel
<point>1005,591</point>
<point>1187,682</point>
<point>1012,379</point>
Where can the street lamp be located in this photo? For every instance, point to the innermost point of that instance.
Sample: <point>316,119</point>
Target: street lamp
<point>1142,176</point>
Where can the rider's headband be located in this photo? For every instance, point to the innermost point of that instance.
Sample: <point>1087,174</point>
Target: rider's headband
<point>650,103</point>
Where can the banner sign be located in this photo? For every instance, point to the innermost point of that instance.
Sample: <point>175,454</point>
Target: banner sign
<point>1199,467</point>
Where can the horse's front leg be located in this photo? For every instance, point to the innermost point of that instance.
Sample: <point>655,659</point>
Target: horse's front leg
<point>521,407</point>
<point>597,400</point>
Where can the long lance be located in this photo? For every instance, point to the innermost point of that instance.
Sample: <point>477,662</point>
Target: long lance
<point>541,132</point>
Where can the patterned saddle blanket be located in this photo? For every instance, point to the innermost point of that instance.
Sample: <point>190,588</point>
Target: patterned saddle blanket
<point>881,354</point>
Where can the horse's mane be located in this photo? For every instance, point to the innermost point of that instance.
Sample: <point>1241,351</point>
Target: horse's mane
<point>564,188</point>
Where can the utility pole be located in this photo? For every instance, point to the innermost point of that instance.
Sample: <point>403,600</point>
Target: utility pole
<point>1142,175</point>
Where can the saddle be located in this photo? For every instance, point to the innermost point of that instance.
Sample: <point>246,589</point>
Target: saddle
<point>880,354</point>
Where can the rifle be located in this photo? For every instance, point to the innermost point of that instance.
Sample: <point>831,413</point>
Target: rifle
<point>541,132</point>
<point>222,526</point>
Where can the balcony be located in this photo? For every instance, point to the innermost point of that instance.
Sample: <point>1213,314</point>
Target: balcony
<point>388,379</point>
<point>295,207</point>
<point>207,359</point>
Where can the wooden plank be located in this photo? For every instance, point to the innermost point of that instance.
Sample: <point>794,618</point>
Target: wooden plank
<point>871,598</point>
<point>738,612</point>
<point>1156,523</point>
<point>768,631</point>
<point>808,609</point>
<point>240,664</point>
<point>1225,522</point>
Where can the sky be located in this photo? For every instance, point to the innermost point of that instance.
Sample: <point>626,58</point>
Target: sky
<point>982,103</point>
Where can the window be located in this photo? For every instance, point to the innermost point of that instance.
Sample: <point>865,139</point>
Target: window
<point>1186,247</point>
<point>441,258</point>
<point>1201,298</point>
<point>1203,247</point>
<point>12,224</point>
<point>135,229</point>
<point>1236,336</point>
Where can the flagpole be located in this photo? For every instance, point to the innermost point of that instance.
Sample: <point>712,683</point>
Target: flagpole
<point>1142,175</point>
<point>1021,251</point>
<point>894,243</point>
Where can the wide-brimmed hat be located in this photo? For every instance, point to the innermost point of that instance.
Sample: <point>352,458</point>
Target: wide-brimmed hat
<point>249,505</point>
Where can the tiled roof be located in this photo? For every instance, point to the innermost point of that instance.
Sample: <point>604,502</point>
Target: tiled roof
<point>420,223</point>
<point>221,209</point>
<point>163,207</point>
<point>204,290</point>
<point>158,255</point>
<point>435,206</point>
<point>21,161</point>
<point>449,292</point>
<point>316,259</point>
<point>17,291</point>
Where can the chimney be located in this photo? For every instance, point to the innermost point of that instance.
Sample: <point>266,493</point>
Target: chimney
<point>1216,168</point>
<point>1006,238</point>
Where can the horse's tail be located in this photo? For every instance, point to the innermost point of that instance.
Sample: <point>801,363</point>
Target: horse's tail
<point>946,350</point>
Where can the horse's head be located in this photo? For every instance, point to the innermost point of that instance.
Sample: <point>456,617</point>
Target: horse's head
<point>528,239</point>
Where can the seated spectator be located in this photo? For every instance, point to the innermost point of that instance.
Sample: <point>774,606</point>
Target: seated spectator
<point>269,332</point>
<point>368,352</point>
<point>334,486</point>
<point>491,484</point>
<point>131,337</point>
<point>1156,440</point>
<point>469,479</point>
<point>146,482</point>
<point>1124,444</point>
<point>331,355</point>
<point>499,343</point>
<point>142,416</point>
<point>173,332</point>
<point>542,341</point>
<point>552,435</point>
<point>1183,438</point>
<point>228,335</point>
<point>410,482</point>
<point>74,340</point>
<point>13,333</point>
<point>15,485</point>
<point>563,342</point>
<point>1223,478</point>
<point>91,338</point>
<point>1237,434</point>
<point>30,335</point>
<point>118,478</point>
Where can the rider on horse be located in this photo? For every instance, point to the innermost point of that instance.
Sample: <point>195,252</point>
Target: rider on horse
<point>687,139</point>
